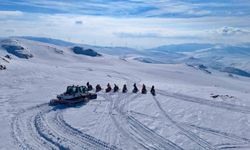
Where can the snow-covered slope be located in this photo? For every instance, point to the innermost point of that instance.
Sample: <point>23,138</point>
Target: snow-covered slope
<point>233,59</point>
<point>119,51</point>
<point>191,110</point>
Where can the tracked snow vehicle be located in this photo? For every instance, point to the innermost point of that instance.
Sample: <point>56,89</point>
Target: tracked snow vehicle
<point>73,95</point>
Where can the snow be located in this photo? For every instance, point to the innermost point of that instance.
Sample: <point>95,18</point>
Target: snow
<point>182,115</point>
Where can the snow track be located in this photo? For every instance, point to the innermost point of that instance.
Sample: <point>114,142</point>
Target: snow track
<point>222,134</point>
<point>218,104</point>
<point>203,143</point>
<point>134,129</point>
<point>24,130</point>
<point>217,132</point>
<point>43,127</point>
<point>40,127</point>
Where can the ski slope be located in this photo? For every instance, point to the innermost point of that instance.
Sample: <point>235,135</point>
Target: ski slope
<point>182,115</point>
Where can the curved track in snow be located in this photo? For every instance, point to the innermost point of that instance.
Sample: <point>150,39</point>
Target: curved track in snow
<point>41,127</point>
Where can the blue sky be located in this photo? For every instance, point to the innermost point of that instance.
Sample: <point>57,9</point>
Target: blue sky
<point>134,23</point>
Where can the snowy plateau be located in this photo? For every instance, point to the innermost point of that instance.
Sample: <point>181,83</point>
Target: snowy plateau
<point>202,96</point>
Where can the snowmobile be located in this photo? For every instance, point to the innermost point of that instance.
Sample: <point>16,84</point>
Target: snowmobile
<point>108,89</point>
<point>124,89</point>
<point>73,95</point>
<point>144,90</point>
<point>135,90</point>
<point>116,88</point>
<point>98,88</point>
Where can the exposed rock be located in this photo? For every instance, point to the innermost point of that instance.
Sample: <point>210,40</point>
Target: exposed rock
<point>8,56</point>
<point>87,52</point>
<point>3,67</point>
<point>18,51</point>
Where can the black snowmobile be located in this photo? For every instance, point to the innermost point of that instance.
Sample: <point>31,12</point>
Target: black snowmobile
<point>116,88</point>
<point>144,90</point>
<point>108,89</point>
<point>98,88</point>
<point>135,90</point>
<point>124,89</point>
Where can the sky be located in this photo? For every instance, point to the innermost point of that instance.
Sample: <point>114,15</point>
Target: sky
<point>132,23</point>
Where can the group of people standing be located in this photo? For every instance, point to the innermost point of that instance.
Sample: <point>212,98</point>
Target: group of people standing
<point>124,88</point>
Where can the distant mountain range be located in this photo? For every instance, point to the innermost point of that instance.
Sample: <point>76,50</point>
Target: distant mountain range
<point>233,59</point>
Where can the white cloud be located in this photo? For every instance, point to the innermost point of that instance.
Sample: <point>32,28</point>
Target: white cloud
<point>232,31</point>
<point>134,32</point>
<point>10,13</point>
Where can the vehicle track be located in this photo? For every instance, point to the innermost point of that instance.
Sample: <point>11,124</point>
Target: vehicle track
<point>233,146</point>
<point>24,130</point>
<point>141,133</point>
<point>80,136</point>
<point>39,127</point>
<point>217,132</point>
<point>218,104</point>
<point>230,136</point>
<point>203,143</point>
<point>117,122</point>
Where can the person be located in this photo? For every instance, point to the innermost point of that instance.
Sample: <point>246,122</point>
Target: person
<point>108,89</point>
<point>89,86</point>
<point>98,88</point>
<point>144,90</point>
<point>152,90</point>
<point>116,88</point>
<point>135,90</point>
<point>124,89</point>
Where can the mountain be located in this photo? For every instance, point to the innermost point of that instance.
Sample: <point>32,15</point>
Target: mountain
<point>215,56</point>
<point>233,59</point>
<point>192,109</point>
<point>102,49</point>
<point>188,47</point>
<point>49,40</point>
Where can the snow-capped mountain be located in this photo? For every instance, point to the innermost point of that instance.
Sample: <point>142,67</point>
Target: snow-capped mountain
<point>232,59</point>
<point>192,109</point>
<point>103,49</point>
